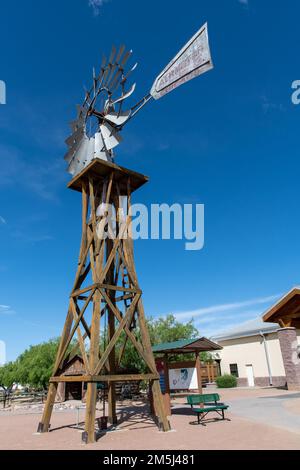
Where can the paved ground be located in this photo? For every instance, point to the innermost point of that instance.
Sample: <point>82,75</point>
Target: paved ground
<point>281,411</point>
<point>259,419</point>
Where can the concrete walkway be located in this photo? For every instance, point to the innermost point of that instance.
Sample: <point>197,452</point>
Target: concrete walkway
<point>271,410</point>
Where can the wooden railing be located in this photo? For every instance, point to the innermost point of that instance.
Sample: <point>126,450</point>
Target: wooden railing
<point>8,399</point>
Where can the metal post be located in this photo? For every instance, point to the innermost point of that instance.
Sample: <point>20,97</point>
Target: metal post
<point>267,358</point>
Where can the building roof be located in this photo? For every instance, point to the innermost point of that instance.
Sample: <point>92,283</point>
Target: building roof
<point>186,346</point>
<point>286,312</point>
<point>247,329</point>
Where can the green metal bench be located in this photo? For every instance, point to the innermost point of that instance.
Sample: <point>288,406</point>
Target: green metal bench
<point>204,404</point>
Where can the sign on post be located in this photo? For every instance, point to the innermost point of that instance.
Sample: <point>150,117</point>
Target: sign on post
<point>193,60</point>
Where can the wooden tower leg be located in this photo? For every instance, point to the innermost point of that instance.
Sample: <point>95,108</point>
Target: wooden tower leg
<point>112,414</point>
<point>156,390</point>
<point>89,435</point>
<point>158,402</point>
<point>44,425</point>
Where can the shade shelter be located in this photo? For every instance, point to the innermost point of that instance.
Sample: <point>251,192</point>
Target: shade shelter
<point>188,347</point>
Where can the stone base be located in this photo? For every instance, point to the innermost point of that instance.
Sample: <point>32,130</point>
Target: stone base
<point>294,388</point>
<point>279,381</point>
<point>291,358</point>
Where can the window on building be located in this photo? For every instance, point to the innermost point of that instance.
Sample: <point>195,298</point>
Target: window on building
<point>234,370</point>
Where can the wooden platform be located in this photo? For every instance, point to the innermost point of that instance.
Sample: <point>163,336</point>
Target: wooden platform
<point>99,169</point>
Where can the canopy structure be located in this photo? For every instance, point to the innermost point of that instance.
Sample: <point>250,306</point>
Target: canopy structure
<point>187,346</point>
<point>286,312</point>
<point>184,346</point>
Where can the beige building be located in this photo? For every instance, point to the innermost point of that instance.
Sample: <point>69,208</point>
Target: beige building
<point>253,354</point>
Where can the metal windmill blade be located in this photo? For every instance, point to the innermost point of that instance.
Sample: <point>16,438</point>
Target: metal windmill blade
<point>119,119</point>
<point>103,102</point>
<point>115,68</point>
<point>111,137</point>
<point>119,78</point>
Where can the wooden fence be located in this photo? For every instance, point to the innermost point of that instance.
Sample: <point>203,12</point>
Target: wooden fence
<point>8,399</point>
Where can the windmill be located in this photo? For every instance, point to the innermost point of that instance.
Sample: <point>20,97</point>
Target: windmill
<point>106,298</point>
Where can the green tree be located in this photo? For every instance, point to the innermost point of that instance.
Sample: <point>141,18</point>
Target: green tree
<point>35,366</point>
<point>8,375</point>
<point>161,330</point>
<point>167,330</point>
<point>206,357</point>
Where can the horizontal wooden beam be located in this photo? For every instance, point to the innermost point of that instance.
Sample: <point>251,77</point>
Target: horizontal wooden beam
<point>124,297</point>
<point>79,292</point>
<point>119,288</point>
<point>104,378</point>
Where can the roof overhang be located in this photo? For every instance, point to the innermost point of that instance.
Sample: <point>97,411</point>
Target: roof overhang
<point>247,334</point>
<point>286,312</point>
<point>187,347</point>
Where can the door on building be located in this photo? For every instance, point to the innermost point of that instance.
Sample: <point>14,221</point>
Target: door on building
<point>250,375</point>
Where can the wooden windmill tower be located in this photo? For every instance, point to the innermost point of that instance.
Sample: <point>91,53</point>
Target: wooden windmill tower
<point>105,307</point>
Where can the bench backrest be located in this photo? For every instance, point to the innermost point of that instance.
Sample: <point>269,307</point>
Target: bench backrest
<point>208,398</point>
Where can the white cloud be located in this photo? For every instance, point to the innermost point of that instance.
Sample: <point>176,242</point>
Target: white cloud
<point>2,353</point>
<point>217,309</point>
<point>6,310</point>
<point>96,5</point>
<point>27,238</point>
<point>241,316</point>
<point>244,3</point>
<point>2,221</point>
<point>41,177</point>
<point>213,319</point>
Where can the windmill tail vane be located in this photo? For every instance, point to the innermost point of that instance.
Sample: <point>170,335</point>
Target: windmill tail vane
<point>103,114</point>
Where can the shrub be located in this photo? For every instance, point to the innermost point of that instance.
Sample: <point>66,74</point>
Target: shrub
<point>226,381</point>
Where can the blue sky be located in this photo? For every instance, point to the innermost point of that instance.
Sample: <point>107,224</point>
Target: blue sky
<point>228,139</point>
